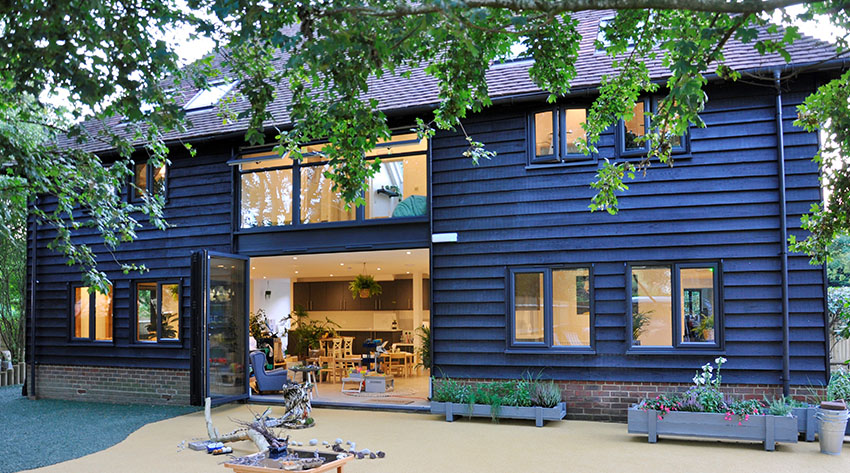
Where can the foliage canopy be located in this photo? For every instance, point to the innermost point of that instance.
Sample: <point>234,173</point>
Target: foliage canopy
<point>111,59</point>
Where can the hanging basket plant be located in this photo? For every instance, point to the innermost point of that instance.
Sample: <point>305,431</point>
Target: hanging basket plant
<point>364,287</point>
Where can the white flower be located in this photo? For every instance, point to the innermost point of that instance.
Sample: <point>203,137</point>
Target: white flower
<point>720,360</point>
<point>696,379</point>
<point>710,368</point>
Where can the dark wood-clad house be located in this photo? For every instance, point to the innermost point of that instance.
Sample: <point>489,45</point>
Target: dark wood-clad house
<point>513,273</point>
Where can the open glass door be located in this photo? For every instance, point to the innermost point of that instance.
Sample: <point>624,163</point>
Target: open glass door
<point>221,351</point>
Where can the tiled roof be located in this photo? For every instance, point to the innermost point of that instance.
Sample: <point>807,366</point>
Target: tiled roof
<point>509,79</point>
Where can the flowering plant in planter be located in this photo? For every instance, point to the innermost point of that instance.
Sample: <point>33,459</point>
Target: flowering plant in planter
<point>705,396</point>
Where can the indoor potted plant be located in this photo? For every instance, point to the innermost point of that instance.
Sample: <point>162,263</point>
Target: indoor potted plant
<point>364,286</point>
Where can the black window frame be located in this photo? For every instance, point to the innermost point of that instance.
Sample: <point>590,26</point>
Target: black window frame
<point>678,346</point>
<point>547,346</point>
<point>92,316</point>
<point>560,156</point>
<point>650,105</point>
<point>149,173</point>
<point>135,311</point>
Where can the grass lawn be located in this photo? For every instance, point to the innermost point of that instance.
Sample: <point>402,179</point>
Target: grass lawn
<point>44,432</point>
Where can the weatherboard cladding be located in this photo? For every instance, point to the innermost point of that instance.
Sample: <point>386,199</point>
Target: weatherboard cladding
<point>199,212</point>
<point>397,94</point>
<point>719,203</point>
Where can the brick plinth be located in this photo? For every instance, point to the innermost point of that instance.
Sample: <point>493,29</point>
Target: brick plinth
<point>608,401</point>
<point>110,384</point>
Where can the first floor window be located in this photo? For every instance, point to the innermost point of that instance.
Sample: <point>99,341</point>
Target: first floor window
<point>92,314</point>
<point>554,134</point>
<point>551,307</point>
<point>674,305</point>
<point>157,311</point>
<point>147,178</point>
<point>633,132</point>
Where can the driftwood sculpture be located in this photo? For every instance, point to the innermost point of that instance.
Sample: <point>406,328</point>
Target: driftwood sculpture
<point>297,406</point>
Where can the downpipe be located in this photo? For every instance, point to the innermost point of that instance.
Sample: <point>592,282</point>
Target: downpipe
<point>783,241</point>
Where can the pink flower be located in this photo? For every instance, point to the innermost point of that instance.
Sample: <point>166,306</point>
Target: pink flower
<point>659,417</point>
<point>739,423</point>
<point>747,417</point>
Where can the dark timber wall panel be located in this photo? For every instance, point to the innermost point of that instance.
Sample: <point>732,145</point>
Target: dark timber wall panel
<point>719,203</point>
<point>199,212</point>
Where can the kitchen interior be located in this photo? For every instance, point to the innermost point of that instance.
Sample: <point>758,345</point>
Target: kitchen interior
<point>319,284</point>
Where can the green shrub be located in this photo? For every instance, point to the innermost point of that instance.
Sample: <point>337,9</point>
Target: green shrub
<point>545,394</point>
<point>839,386</point>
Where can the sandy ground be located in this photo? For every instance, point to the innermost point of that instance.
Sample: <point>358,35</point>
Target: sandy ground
<point>426,443</point>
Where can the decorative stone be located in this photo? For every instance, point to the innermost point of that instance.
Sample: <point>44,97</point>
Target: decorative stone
<point>373,456</point>
<point>337,448</point>
<point>338,441</point>
<point>365,451</point>
<point>314,442</point>
<point>353,445</point>
<point>325,443</point>
<point>360,455</point>
<point>381,454</point>
<point>268,463</point>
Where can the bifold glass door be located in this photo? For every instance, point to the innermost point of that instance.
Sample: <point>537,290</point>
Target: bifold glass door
<point>226,327</point>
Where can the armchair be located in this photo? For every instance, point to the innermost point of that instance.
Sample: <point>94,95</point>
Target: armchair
<point>267,380</point>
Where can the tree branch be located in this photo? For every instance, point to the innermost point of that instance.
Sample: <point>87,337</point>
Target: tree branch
<point>563,6</point>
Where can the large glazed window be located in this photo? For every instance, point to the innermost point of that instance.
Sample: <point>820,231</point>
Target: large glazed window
<point>675,306</point>
<point>157,311</point>
<point>92,314</point>
<point>551,308</point>
<point>268,185</point>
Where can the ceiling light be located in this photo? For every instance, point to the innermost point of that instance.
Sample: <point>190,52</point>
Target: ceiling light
<point>332,275</point>
<point>379,269</point>
<point>296,272</point>
<point>253,267</point>
<point>408,252</point>
<point>408,272</point>
<point>342,264</point>
<point>264,277</point>
<point>294,257</point>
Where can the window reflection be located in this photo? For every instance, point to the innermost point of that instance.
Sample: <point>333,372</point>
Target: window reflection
<point>399,188</point>
<point>82,309</point>
<point>319,203</point>
<point>146,311</point>
<point>574,131</point>
<point>170,317</point>
<point>635,128</point>
<point>652,308</point>
<point>103,316</point>
<point>267,198</point>
<point>571,307</point>
<point>544,134</point>
<point>528,307</point>
<point>697,306</point>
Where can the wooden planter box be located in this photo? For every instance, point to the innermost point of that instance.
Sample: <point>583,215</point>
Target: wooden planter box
<point>539,414</point>
<point>807,423</point>
<point>767,429</point>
